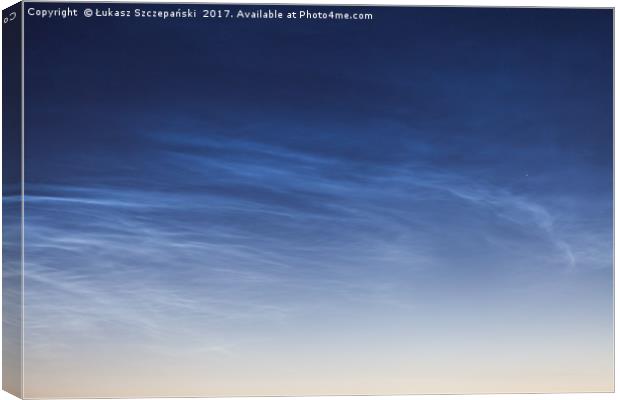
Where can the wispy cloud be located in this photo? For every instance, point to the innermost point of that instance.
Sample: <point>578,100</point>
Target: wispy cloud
<point>252,234</point>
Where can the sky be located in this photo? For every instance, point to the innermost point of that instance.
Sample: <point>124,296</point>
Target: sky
<point>421,203</point>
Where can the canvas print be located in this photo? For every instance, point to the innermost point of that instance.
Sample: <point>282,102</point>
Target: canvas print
<point>249,200</point>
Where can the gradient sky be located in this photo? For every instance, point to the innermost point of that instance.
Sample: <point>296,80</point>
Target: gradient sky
<point>421,203</point>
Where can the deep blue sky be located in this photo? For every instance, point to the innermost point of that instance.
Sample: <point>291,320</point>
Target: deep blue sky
<point>470,82</point>
<point>202,179</point>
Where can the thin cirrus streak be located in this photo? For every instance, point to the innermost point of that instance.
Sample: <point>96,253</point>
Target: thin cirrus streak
<point>302,194</point>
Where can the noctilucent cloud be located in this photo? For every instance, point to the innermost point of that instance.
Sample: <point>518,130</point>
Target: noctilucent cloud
<point>420,203</point>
